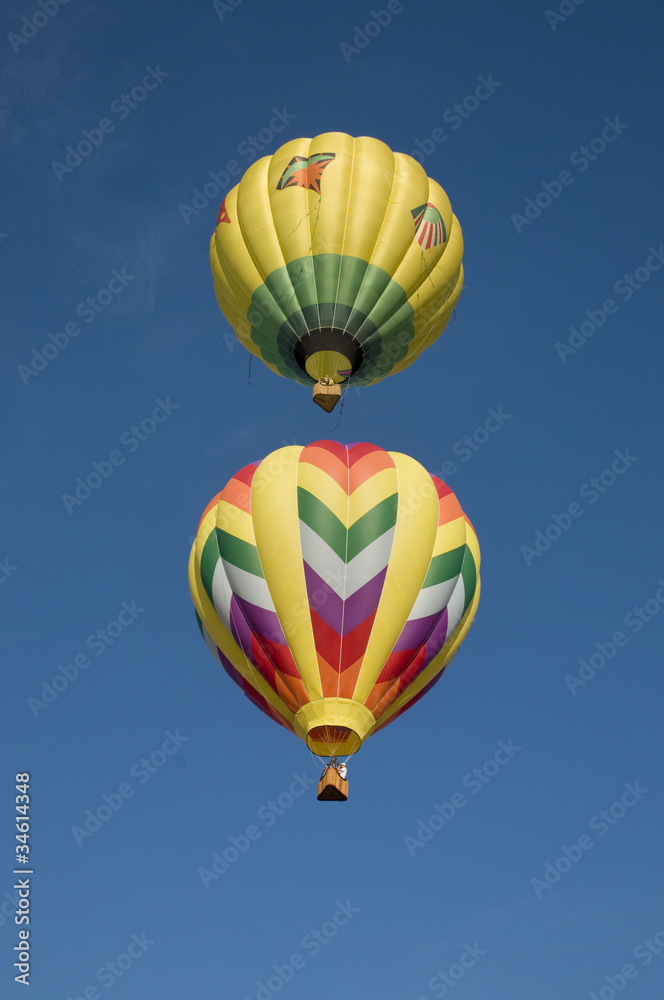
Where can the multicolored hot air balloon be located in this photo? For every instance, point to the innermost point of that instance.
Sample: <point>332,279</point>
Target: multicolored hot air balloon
<point>334,584</point>
<point>337,259</point>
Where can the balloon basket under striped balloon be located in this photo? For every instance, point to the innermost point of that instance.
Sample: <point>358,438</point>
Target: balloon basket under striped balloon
<point>332,787</point>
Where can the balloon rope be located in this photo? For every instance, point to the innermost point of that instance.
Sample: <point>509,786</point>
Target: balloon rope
<point>343,400</point>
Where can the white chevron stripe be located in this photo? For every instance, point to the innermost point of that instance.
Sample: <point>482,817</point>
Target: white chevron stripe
<point>249,587</point>
<point>345,579</point>
<point>455,606</point>
<point>221,594</point>
<point>433,599</point>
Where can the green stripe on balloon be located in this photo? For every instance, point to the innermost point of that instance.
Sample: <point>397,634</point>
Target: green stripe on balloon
<point>208,563</point>
<point>372,525</point>
<point>469,576</point>
<point>322,521</point>
<point>445,567</point>
<point>332,290</point>
<point>239,553</point>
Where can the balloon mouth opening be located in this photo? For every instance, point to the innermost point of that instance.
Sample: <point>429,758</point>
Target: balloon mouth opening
<point>332,741</point>
<point>329,348</point>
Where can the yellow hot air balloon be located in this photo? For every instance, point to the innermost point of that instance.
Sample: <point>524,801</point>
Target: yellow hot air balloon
<point>334,584</point>
<point>337,260</point>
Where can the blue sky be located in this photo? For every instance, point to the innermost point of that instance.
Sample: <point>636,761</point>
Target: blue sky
<point>556,237</point>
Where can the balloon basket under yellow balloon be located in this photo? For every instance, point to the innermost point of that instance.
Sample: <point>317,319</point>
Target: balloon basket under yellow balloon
<point>332,787</point>
<point>327,396</point>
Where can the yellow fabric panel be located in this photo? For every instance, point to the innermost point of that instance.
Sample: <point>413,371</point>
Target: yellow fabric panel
<point>439,198</point>
<point>370,189</point>
<point>254,212</point>
<point>411,555</point>
<point>231,247</point>
<point>231,299</point>
<point>327,223</point>
<point>231,302</point>
<point>204,528</point>
<point>450,536</point>
<point>287,211</point>
<point>333,712</point>
<point>414,264</point>
<point>409,190</point>
<point>474,545</point>
<point>429,323</point>
<point>438,281</point>
<point>235,521</point>
<point>276,526</point>
<point>320,484</point>
<point>372,491</point>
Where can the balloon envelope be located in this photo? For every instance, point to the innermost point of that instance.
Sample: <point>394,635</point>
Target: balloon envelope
<point>337,259</point>
<point>334,584</point>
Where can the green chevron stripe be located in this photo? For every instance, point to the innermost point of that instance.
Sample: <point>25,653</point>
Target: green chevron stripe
<point>372,525</point>
<point>208,562</point>
<point>320,519</point>
<point>469,576</point>
<point>445,566</point>
<point>238,552</point>
<point>347,543</point>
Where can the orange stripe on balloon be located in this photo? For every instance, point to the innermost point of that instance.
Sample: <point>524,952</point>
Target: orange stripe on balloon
<point>212,503</point>
<point>320,458</point>
<point>369,465</point>
<point>449,509</point>
<point>348,678</point>
<point>238,494</point>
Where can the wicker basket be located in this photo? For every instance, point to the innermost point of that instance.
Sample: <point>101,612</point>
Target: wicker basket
<point>326,396</point>
<point>332,788</point>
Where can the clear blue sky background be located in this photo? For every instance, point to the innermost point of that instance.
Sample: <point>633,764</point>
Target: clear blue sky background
<point>66,574</point>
